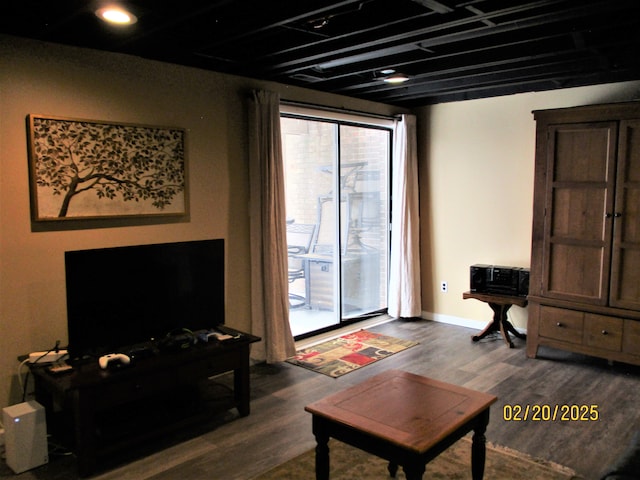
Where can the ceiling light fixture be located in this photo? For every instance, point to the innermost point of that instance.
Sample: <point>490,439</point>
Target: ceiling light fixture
<point>396,78</point>
<point>116,15</point>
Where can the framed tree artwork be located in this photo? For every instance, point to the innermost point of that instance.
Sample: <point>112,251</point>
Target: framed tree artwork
<point>92,169</point>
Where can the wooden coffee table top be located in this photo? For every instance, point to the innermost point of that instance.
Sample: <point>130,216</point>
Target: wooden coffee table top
<point>409,410</point>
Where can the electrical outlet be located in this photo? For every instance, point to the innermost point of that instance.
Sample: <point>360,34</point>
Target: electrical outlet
<point>444,287</point>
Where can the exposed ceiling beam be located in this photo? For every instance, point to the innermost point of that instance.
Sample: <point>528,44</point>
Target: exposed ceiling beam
<point>451,49</point>
<point>435,6</point>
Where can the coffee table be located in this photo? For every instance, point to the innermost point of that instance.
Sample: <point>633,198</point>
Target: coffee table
<point>404,418</point>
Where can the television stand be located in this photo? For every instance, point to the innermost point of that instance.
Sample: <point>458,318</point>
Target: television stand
<point>89,396</point>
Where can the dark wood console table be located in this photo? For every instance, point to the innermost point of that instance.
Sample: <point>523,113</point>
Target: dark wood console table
<point>500,304</point>
<point>89,396</point>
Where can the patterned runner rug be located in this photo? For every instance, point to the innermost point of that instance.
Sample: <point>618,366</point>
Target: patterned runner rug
<point>349,352</point>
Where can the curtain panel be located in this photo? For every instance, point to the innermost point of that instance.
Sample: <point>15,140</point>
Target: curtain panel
<point>404,269</point>
<point>269,284</point>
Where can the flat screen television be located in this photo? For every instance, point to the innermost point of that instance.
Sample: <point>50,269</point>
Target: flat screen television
<point>126,296</point>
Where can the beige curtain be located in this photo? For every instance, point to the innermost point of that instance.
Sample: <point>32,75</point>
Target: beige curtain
<point>404,274</point>
<point>269,285</point>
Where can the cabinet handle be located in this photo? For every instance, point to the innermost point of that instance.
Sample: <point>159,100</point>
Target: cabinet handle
<point>617,214</point>
<point>604,332</point>
<point>607,215</point>
<point>559,324</point>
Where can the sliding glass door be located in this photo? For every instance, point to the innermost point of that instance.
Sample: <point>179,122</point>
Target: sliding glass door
<point>337,191</point>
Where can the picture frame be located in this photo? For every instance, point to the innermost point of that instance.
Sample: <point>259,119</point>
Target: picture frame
<point>91,169</point>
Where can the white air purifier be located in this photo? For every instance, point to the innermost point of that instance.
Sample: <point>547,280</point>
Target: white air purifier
<point>25,436</point>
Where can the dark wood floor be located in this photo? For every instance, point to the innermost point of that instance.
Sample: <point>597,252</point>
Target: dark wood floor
<point>279,429</point>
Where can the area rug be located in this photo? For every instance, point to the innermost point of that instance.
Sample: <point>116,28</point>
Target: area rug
<point>348,463</point>
<point>349,352</point>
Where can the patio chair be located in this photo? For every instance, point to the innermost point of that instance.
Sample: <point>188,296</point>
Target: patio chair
<point>299,238</point>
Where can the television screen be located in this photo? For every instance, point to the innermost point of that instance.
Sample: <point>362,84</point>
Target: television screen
<point>124,296</point>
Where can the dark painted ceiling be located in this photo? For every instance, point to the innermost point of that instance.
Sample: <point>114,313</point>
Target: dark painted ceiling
<point>452,49</point>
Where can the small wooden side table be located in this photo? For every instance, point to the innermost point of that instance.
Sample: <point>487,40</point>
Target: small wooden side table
<point>404,418</point>
<point>500,304</point>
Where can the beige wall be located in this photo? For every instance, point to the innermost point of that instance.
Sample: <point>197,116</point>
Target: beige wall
<point>476,174</point>
<point>47,79</point>
<point>476,188</point>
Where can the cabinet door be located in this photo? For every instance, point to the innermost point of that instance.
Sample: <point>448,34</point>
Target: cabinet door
<point>625,268</point>
<point>579,194</point>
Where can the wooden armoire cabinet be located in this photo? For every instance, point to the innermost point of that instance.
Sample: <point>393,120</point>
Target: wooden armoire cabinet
<point>584,291</point>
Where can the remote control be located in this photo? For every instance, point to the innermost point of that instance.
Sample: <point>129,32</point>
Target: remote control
<point>60,368</point>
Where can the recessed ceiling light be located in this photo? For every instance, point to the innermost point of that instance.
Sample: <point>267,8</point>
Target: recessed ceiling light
<point>116,15</point>
<point>396,78</point>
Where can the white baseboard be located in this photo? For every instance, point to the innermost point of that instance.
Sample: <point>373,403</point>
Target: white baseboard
<point>451,320</point>
<point>459,321</point>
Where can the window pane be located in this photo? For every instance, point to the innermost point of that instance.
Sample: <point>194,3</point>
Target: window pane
<point>364,159</point>
<point>338,248</point>
<point>310,153</point>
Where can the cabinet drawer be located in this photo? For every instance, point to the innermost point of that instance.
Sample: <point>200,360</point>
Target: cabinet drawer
<point>631,339</point>
<point>560,324</point>
<point>603,332</point>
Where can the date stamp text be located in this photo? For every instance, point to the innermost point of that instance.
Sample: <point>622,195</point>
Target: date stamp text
<point>550,413</point>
